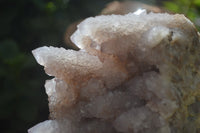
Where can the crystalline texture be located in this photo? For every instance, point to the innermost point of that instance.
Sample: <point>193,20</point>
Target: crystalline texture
<point>137,73</point>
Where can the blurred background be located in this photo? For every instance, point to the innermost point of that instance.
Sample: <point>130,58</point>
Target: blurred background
<point>28,24</point>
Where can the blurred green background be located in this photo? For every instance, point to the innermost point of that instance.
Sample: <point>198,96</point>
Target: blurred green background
<point>28,24</point>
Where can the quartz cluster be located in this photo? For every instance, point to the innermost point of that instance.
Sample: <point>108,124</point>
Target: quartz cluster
<point>134,73</point>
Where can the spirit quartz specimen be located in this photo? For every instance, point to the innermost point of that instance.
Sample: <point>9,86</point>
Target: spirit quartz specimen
<point>137,73</point>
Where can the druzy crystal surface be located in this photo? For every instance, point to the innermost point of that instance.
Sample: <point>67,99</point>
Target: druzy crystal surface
<point>137,73</point>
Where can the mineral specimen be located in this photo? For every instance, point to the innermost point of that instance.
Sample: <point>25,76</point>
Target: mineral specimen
<point>137,73</point>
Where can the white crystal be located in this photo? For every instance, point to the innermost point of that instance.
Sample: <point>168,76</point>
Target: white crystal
<point>49,126</point>
<point>134,73</point>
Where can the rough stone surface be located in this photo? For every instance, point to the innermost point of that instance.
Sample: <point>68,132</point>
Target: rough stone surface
<point>137,73</point>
